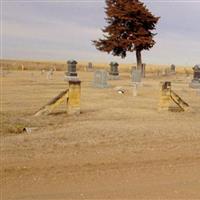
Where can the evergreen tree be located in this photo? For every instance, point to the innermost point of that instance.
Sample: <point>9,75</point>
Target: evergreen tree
<point>130,26</point>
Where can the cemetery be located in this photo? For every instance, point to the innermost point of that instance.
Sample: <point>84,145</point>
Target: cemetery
<point>94,117</point>
<point>89,111</point>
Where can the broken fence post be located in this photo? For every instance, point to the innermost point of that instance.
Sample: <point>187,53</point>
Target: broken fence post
<point>165,96</point>
<point>73,104</point>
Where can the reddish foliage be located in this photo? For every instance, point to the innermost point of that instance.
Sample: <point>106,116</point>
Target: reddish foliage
<point>130,26</point>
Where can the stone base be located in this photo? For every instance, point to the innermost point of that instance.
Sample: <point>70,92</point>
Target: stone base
<point>113,77</point>
<point>71,78</point>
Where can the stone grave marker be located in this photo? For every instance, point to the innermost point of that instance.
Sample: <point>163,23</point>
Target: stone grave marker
<point>196,77</point>
<point>136,78</point>
<point>89,67</point>
<point>133,68</point>
<point>50,74</point>
<point>173,68</point>
<point>71,73</point>
<point>100,79</point>
<point>114,72</point>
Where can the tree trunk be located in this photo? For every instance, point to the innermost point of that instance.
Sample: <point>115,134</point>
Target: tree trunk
<point>139,59</point>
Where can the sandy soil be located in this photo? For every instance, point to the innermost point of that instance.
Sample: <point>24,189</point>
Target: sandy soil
<point>120,147</point>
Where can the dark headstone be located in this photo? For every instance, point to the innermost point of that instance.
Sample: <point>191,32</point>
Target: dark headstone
<point>71,73</point>
<point>196,77</point>
<point>196,70</point>
<point>114,69</point>
<point>71,68</point>
<point>173,68</point>
<point>89,67</point>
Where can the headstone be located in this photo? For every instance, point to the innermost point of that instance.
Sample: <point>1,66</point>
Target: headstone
<point>133,68</point>
<point>173,69</point>
<point>196,77</point>
<point>100,79</point>
<point>89,67</point>
<point>165,71</point>
<point>136,76</point>
<point>114,72</point>
<point>71,73</point>
<point>50,74</point>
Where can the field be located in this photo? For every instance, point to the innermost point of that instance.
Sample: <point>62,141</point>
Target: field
<point>119,147</point>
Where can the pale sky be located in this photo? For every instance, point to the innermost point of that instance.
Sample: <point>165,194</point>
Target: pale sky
<point>62,30</point>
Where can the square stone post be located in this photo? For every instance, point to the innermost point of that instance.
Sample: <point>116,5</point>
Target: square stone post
<point>165,96</point>
<point>74,97</point>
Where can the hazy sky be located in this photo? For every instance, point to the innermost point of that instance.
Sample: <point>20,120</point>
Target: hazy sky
<point>62,30</point>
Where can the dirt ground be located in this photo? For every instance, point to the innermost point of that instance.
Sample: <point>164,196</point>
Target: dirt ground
<point>119,147</point>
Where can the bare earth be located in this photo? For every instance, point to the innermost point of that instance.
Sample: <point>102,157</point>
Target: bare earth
<point>120,147</point>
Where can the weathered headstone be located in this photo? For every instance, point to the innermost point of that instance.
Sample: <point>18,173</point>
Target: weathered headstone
<point>71,73</point>
<point>136,78</point>
<point>133,68</point>
<point>165,71</point>
<point>50,74</point>
<point>100,79</point>
<point>89,67</point>
<point>114,72</point>
<point>196,77</point>
<point>173,69</point>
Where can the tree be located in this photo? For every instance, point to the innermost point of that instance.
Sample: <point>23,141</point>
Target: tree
<point>130,26</point>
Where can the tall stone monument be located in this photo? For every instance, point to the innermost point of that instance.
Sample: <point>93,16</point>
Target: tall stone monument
<point>196,77</point>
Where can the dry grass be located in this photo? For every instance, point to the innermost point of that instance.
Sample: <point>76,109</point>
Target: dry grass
<point>117,148</point>
<point>61,66</point>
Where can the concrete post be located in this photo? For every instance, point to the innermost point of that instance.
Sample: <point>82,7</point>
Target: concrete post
<point>165,96</point>
<point>74,96</point>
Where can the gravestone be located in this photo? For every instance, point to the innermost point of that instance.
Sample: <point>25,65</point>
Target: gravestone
<point>50,74</point>
<point>71,73</point>
<point>89,67</point>
<point>136,78</point>
<point>133,68</point>
<point>100,79</point>
<point>165,71</point>
<point>114,72</point>
<point>173,69</point>
<point>196,77</point>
